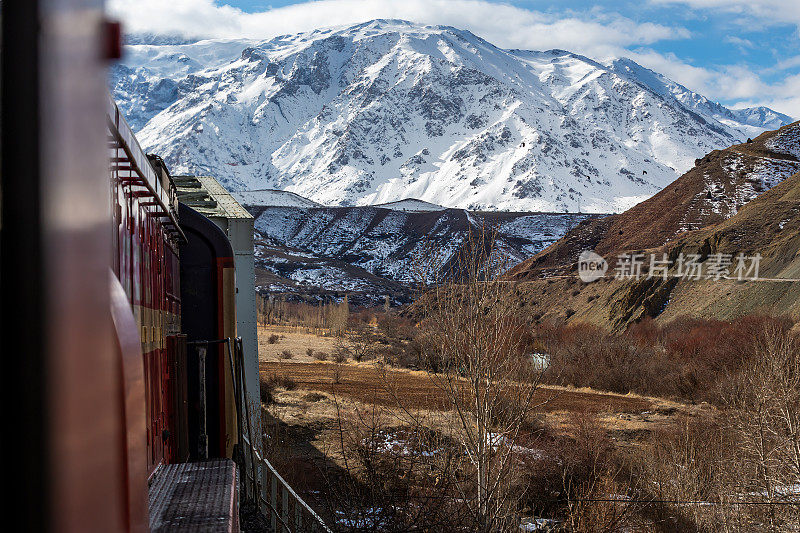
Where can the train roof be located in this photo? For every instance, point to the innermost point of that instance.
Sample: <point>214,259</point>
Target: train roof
<point>205,195</point>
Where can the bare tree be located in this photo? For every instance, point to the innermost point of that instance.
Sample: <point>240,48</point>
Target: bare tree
<point>465,474</point>
<point>741,465</point>
<point>337,317</point>
<point>474,338</point>
<point>362,342</point>
<point>389,477</point>
<point>764,415</point>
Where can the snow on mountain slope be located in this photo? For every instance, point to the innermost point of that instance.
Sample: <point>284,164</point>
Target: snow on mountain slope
<point>412,205</point>
<point>273,198</point>
<point>751,121</point>
<point>388,243</point>
<point>786,142</point>
<point>387,110</point>
<point>155,75</point>
<point>719,186</point>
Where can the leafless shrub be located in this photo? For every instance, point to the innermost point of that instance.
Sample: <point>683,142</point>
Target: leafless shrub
<point>688,359</point>
<point>591,475</point>
<point>396,327</point>
<point>321,356</point>
<point>764,417</point>
<point>394,478</point>
<point>737,472</point>
<point>282,381</point>
<point>286,354</point>
<point>473,345</point>
<point>273,338</point>
<point>314,397</point>
<point>266,393</point>
<point>336,373</point>
<point>362,342</point>
<point>341,352</point>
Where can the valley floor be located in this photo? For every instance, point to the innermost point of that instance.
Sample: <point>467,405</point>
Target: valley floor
<point>309,396</point>
<point>625,417</point>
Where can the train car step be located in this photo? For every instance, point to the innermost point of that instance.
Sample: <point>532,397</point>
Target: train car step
<point>195,497</point>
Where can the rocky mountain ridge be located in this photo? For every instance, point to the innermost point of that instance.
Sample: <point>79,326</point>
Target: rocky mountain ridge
<point>369,252</point>
<point>386,110</point>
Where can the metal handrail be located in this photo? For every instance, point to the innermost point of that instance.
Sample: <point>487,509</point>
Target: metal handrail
<point>256,477</point>
<point>292,493</point>
<point>125,140</point>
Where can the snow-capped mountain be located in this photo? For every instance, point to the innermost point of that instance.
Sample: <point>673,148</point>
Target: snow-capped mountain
<point>387,110</point>
<point>273,198</point>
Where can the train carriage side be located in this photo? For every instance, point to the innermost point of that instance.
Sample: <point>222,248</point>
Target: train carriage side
<point>101,392</point>
<point>146,262</point>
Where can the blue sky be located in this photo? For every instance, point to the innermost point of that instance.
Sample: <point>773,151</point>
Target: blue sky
<point>738,52</point>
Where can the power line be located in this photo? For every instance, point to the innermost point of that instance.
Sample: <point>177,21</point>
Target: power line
<point>675,502</point>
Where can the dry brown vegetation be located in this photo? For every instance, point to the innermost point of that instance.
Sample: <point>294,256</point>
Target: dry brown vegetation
<point>688,359</point>
<point>741,472</point>
<point>445,422</point>
<point>694,472</point>
<point>327,317</point>
<point>723,469</point>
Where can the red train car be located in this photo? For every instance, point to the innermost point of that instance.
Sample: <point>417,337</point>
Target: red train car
<point>99,399</point>
<point>122,372</point>
<point>162,254</point>
<point>145,260</point>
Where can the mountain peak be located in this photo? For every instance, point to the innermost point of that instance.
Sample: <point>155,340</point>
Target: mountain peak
<point>388,109</point>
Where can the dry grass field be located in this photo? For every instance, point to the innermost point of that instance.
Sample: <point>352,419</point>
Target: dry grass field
<point>314,385</point>
<point>317,410</point>
<point>296,340</point>
<point>369,384</point>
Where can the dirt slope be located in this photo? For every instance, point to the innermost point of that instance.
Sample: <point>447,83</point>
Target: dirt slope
<point>768,225</point>
<point>714,190</point>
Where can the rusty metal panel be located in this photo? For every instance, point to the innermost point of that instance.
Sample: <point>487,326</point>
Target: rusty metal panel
<point>181,397</point>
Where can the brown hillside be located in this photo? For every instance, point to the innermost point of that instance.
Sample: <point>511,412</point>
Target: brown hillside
<point>711,192</point>
<point>769,225</point>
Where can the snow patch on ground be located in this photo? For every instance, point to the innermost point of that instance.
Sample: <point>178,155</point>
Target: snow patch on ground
<point>787,142</point>
<point>273,198</point>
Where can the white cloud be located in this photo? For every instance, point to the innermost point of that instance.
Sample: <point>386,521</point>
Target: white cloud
<point>596,34</point>
<point>735,84</point>
<point>742,44</point>
<point>788,63</point>
<point>783,96</point>
<point>768,11</point>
